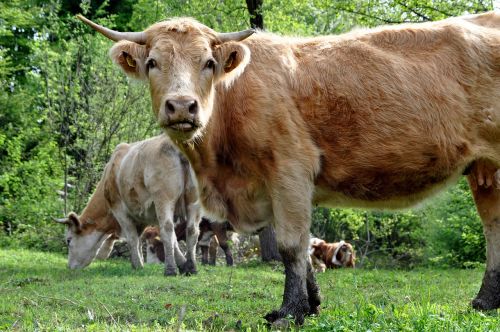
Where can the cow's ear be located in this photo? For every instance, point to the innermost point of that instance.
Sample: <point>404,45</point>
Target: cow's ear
<point>232,58</point>
<point>74,221</point>
<point>130,57</point>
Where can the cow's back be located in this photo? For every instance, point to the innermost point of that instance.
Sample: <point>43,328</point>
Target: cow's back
<point>110,175</point>
<point>391,114</point>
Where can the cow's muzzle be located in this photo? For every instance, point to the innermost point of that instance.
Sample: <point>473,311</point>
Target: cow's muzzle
<point>185,126</point>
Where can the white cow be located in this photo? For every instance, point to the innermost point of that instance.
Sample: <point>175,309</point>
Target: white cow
<point>144,183</point>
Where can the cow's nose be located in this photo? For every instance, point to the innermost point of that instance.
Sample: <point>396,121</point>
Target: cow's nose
<point>182,105</point>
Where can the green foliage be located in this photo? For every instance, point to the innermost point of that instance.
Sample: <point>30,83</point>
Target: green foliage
<point>380,238</point>
<point>455,231</point>
<point>67,111</point>
<point>37,291</point>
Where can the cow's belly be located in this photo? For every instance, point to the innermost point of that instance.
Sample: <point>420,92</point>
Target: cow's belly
<point>142,212</point>
<point>249,208</point>
<point>384,193</point>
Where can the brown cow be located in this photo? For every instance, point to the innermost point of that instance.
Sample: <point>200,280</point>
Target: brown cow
<point>146,182</point>
<point>379,118</point>
<point>331,255</point>
<point>212,235</point>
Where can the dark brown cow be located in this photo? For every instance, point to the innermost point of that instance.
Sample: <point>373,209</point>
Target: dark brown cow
<point>379,118</point>
<point>212,234</point>
<point>218,232</point>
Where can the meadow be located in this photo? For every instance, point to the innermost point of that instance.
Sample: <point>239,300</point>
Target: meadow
<point>39,293</point>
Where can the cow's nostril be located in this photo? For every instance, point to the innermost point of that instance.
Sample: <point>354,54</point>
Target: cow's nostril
<point>170,106</point>
<point>193,107</point>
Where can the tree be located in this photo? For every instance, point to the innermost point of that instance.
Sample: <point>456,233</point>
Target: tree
<point>255,10</point>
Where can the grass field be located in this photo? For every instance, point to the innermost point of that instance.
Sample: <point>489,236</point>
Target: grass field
<point>38,292</point>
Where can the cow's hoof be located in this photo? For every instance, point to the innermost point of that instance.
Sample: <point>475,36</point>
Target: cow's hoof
<point>314,310</point>
<point>277,318</point>
<point>137,266</point>
<point>480,304</point>
<point>170,272</point>
<point>485,304</point>
<point>488,297</point>
<point>188,268</point>
<point>280,324</point>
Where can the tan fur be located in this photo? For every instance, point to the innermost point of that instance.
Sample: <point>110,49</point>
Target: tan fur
<point>380,118</point>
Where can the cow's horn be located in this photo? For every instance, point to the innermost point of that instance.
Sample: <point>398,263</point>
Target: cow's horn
<point>136,37</point>
<point>64,221</point>
<point>235,36</point>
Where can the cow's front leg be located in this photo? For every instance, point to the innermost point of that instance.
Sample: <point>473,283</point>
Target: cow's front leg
<point>220,231</point>
<point>212,250</point>
<point>295,298</point>
<point>192,232</point>
<point>224,244</point>
<point>487,199</point>
<point>313,294</point>
<point>165,214</point>
<point>106,248</point>
<point>292,213</point>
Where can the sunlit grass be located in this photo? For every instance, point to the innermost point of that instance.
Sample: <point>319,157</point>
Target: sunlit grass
<point>37,291</point>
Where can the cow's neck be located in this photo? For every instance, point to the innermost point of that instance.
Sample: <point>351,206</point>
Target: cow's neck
<point>203,161</point>
<point>96,214</point>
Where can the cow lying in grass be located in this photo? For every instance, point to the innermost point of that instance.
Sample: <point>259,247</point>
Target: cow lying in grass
<point>331,255</point>
<point>381,118</point>
<point>212,234</point>
<point>146,182</point>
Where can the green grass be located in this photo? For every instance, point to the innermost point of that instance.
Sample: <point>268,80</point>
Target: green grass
<point>38,292</point>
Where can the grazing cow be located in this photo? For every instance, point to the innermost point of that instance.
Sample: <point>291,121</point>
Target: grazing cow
<point>376,118</point>
<point>154,247</point>
<point>332,255</point>
<point>146,182</point>
<point>212,234</point>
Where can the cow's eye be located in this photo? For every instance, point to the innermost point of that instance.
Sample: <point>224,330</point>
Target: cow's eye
<point>68,241</point>
<point>210,64</point>
<point>151,63</point>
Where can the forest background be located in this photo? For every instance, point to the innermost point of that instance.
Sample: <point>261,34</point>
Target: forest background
<point>64,107</point>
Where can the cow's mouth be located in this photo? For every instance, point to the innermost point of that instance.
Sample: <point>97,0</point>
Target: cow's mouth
<point>184,126</point>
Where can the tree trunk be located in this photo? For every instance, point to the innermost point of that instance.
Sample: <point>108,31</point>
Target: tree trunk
<point>255,10</point>
<point>268,246</point>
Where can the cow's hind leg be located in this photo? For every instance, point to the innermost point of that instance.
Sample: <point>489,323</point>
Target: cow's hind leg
<point>487,198</point>
<point>165,214</point>
<point>192,232</point>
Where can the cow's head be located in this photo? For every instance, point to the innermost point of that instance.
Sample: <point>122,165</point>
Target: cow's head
<point>183,60</point>
<point>84,240</point>
<point>345,255</point>
<point>155,252</point>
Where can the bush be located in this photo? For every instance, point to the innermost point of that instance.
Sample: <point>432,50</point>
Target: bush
<point>454,230</point>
